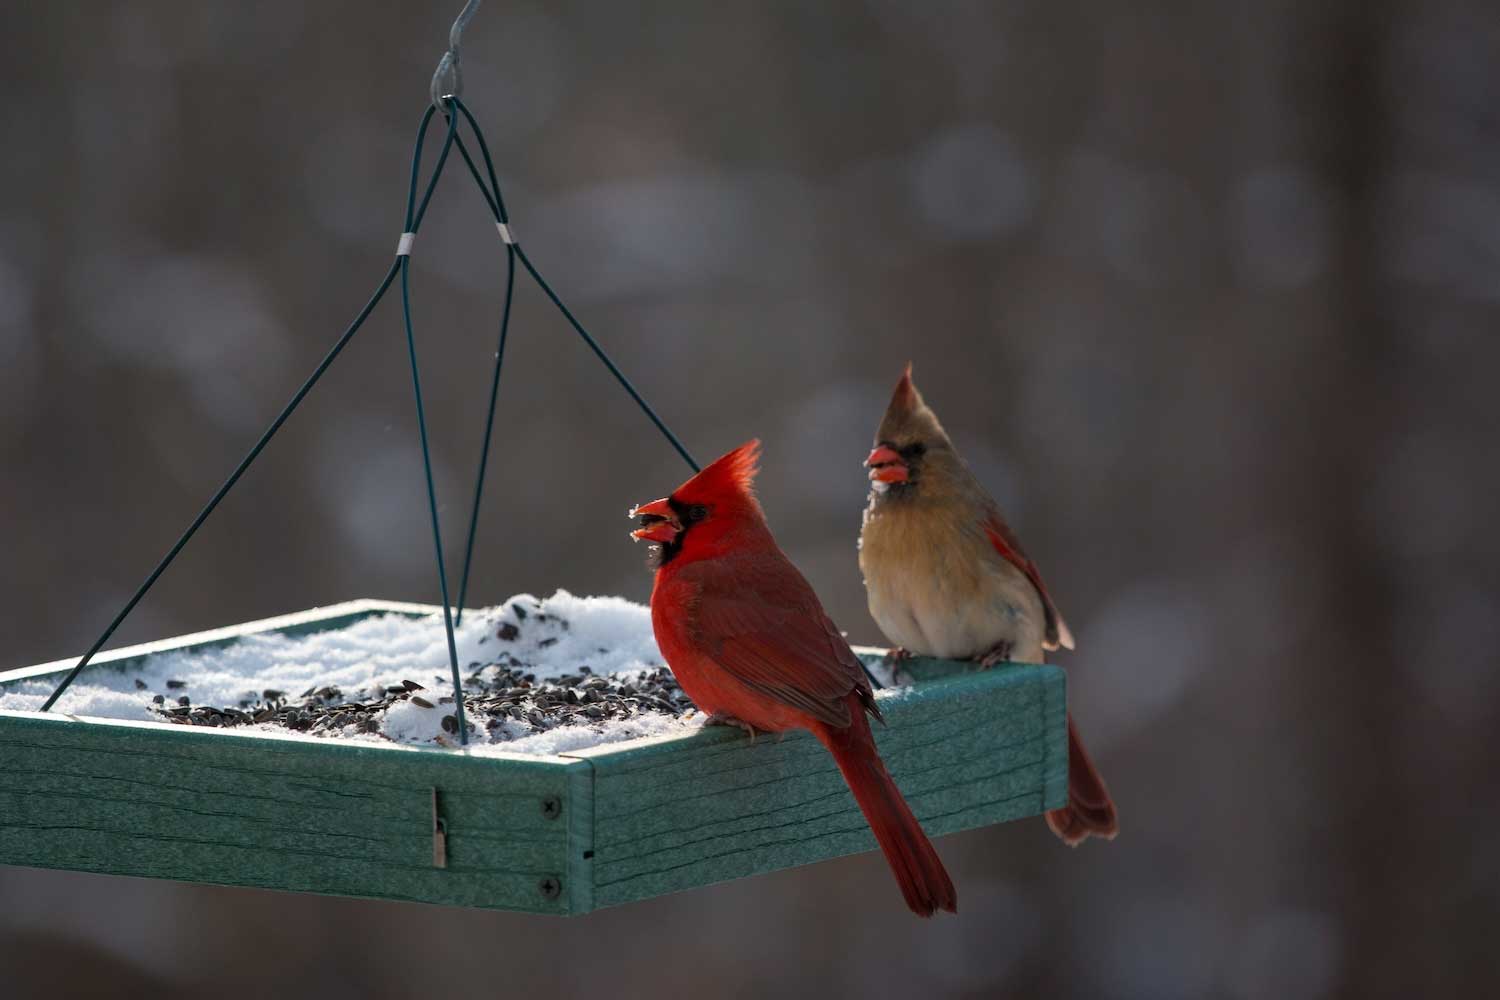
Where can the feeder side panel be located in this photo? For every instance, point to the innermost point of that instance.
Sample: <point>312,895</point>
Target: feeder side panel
<point>236,809</point>
<point>971,750</point>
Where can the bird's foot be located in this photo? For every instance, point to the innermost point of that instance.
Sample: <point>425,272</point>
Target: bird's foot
<point>721,719</point>
<point>998,653</point>
<point>895,660</point>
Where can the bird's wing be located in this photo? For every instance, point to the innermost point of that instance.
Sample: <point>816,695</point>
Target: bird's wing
<point>1009,546</point>
<point>759,620</point>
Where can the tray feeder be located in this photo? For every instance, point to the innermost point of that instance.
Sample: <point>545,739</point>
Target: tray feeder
<point>560,834</point>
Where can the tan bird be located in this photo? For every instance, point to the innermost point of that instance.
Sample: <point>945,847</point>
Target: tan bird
<point>946,577</point>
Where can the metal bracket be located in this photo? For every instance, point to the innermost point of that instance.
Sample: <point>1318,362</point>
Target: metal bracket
<point>439,835</point>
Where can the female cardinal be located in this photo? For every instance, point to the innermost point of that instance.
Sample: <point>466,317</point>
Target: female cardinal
<point>748,641</point>
<point>946,577</point>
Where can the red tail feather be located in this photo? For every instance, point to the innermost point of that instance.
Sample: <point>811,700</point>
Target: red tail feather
<point>914,861</point>
<point>1090,811</point>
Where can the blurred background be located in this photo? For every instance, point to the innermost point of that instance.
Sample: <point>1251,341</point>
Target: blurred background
<point>1206,292</point>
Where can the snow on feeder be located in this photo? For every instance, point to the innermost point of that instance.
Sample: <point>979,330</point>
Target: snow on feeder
<point>534,756</point>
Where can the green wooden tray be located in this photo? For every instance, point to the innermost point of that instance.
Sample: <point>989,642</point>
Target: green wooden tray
<point>544,834</point>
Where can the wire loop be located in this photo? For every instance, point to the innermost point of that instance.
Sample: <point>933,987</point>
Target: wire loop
<point>448,103</point>
<point>448,80</point>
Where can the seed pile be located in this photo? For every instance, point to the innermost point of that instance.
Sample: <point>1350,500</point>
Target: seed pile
<point>503,698</point>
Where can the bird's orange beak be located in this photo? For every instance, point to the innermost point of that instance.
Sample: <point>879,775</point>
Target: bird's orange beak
<point>886,466</point>
<point>658,521</point>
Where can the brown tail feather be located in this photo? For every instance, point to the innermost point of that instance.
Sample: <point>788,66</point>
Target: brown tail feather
<point>1090,811</point>
<point>913,860</point>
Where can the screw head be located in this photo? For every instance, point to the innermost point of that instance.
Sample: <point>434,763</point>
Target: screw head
<point>552,807</point>
<point>549,887</point>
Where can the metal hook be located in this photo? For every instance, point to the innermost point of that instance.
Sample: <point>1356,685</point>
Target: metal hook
<point>448,80</point>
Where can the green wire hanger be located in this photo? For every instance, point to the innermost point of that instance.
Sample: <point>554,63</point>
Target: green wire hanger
<point>445,90</point>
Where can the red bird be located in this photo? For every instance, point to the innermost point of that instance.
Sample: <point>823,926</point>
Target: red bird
<point>946,577</point>
<point>749,642</point>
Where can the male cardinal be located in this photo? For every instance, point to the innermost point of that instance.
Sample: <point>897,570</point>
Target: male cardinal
<point>946,577</point>
<point>749,642</point>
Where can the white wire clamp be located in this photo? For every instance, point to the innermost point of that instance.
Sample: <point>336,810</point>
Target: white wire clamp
<point>403,245</point>
<point>505,233</point>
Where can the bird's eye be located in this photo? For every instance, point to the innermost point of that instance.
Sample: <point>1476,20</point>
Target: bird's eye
<point>914,450</point>
<point>697,512</point>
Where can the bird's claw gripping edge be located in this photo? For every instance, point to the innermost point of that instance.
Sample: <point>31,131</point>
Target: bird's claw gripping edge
<point>999,653</point>
<point>720,719</point>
